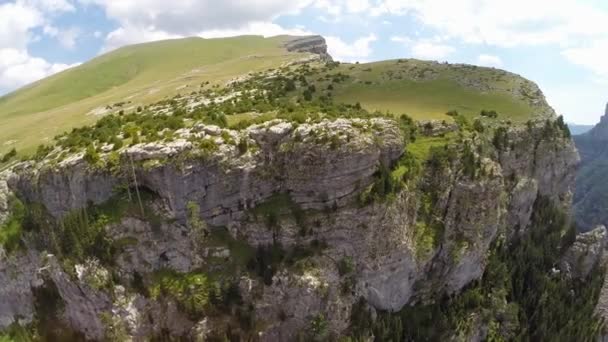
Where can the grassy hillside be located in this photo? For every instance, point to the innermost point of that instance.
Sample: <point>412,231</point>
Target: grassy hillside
<point>427,90</point>
<point>147,73</point>
<point>138,74</point>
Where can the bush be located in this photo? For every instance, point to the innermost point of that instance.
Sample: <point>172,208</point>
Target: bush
<point>243,145</point>
<point>191,291</point>
<point>501,139</point>
<point>9,155</point>
<point>489,113</point>
<point>10,231</point>
<point>346,266</point>
<point>91,156</point>
<point>478,126</point>
<point>307,95</point>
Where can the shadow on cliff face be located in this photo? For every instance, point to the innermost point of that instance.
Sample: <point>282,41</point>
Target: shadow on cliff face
<point>49,306</point>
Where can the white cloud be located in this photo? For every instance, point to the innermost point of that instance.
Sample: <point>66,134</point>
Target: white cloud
<point>593,57</point>
<point>51,6</point>
<point>17,20</point>
<point>504,23</point>
<point>401,39</point>
<point>427,49</point>
<point>489,60</point>
<point>145,20</point>
<point>133,34</point>
<point>67,38</point>
<point>359,50</point>
<point>265,29</point>
<point>18,68</point>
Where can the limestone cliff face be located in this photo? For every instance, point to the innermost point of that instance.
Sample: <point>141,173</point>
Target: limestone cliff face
<point>315,172</point>
<point>312,44</point>
<point>323,168</point>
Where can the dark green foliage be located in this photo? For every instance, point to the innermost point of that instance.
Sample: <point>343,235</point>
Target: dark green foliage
<point>17,333</point>
<point>82,234</point>
<point>462,122</point>
<point>478,126</point>
<point>91,156</point>
<point>307,95</point>
<point>489,113</point>
<point>9,155</point>
<point>191,291</point>
<point>346,266</point>
<point>42,151</point>
<point>319,328</point>
<point>470,164</point>
<point>269,259</point>
<point>500,139</point>
<point>452,113</point>
<point>563,126</point>
<point>290,85</point>
<point>117,143</point>
<point>538,304</point>
<point>385,185</point>
<point>48,307</point>
<point>557,128</point>
<point>11,230</point>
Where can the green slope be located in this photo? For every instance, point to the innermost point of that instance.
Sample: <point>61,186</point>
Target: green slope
<point>147,73</point>
<point>141,74</point>
<point>427,90</point>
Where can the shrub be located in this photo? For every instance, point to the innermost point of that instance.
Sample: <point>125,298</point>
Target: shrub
<point>243,145</point>
<point>91,156</point>
<point>478,126</point>
<point>10,231</point>
<point>307,95</point>
<point>346,266</point>
<point>489,113</point>
<point>9,155</point>
<point>501,139</point>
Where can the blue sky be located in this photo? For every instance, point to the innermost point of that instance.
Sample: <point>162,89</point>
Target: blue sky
<point>560,44</point>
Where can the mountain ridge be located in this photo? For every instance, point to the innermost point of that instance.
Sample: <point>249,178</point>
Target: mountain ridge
<point>139,75</point>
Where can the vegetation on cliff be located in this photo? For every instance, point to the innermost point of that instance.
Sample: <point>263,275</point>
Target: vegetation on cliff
<point>521,297</point>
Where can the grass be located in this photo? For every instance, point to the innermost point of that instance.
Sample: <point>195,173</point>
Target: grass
<point>421,148</point>
<point>142,74</point>
<point>147,73</point>
<point>392,86</point>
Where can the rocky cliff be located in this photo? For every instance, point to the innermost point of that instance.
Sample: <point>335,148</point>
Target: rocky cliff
<point>310,44</point>
<point>591,199</point>
<point>302,187</point>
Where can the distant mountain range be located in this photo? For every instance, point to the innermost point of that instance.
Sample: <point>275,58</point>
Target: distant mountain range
<point>591,197</point>
<point>577,129</point>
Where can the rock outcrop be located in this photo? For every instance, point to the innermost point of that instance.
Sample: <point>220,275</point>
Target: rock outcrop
<point>300,161</point>
<point>585,254</point>
<point>4,194</point>
<point>311,44</point>
<point>321,168</point>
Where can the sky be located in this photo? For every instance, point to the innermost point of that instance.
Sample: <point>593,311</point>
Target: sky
<point>560,44</point>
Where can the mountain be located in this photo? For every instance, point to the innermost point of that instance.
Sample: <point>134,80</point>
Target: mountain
<point>591,196</point>
<point>144,74</point>
<point>129,77</point>
<point>296,198</point>
<point>577,129</point>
